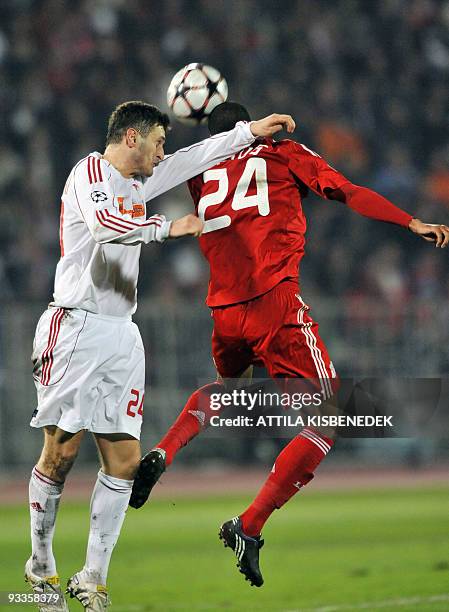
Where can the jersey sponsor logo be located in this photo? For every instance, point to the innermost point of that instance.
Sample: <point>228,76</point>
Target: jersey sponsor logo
<point>138,209</point>
<point>98,196</point>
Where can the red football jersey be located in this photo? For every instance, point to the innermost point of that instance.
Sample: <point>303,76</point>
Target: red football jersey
<point>254,224</point>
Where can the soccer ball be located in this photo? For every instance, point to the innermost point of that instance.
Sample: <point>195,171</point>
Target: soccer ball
<point>195,91</point>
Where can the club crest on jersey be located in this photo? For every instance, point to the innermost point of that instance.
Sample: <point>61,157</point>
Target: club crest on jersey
<point>138,209</point>
<point>98,196</point>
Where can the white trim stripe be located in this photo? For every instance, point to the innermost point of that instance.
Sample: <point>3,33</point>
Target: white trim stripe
<point>317,444</point>
<point>316,353</point>
<point>318,438</point>
<point>236,544</point>
<point>300,319</point>
<point>240,547</point>
<point>314,441</point>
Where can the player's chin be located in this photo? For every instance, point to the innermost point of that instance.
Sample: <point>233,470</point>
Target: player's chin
<point>148,170</point>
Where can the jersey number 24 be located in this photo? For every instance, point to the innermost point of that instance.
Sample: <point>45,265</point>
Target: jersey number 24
<point>255,167</point>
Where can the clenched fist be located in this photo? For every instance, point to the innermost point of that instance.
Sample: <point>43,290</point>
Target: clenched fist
<point>190,225</point>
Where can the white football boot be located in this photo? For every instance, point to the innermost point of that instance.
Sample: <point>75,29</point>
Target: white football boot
<point>49,588</point>
<point>94,597</point>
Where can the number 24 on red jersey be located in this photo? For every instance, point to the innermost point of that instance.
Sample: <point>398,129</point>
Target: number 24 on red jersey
<point>254,173</point>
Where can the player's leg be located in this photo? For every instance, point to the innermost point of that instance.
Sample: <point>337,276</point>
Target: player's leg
<point>115,422</point>
<point>232,359</point>
<point>120,456</point>
<point>45,490</point>
<point>290,347</point>
<point>292,351</point>
<point>194,417</point>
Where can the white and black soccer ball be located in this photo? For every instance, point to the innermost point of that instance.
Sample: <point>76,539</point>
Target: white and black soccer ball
<point>195,91</point>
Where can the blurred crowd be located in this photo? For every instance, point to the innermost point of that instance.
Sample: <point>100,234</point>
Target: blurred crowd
<point>367,83</point>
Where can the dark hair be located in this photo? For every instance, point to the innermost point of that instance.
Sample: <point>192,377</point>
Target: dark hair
<point>224,117</point>
<point>134,114</point>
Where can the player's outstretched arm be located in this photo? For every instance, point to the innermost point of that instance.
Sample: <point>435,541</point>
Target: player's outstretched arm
<point>431,232</point>
<point>186,163</point>
<point>190,225</point>
<point>327,182</point>
<point>371,204</point>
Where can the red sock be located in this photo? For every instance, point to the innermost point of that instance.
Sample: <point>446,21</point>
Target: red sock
<point>293,468</point>
<point>194,416</point>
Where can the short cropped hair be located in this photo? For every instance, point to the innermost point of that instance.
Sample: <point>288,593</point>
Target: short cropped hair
<point>134,114</point>
<point>224,117</point>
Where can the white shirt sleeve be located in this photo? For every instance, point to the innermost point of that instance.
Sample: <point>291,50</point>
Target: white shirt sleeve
<point>186,163</point>
<point>96,202</point>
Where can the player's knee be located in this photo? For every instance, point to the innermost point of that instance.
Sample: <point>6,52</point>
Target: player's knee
<point>129,470</point>
<point>57,463</point>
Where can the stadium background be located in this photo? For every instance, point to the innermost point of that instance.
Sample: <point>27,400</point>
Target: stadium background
<point>367,83</point>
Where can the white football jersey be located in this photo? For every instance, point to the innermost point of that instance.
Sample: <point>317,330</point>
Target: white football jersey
<point>104,222</point>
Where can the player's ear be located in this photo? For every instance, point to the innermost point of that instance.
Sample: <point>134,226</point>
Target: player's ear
<point>131,137</point>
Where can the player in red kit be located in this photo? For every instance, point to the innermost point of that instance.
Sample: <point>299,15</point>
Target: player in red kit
<point>253,239</point>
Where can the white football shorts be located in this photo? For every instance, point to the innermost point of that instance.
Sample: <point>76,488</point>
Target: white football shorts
<point>89,372</point>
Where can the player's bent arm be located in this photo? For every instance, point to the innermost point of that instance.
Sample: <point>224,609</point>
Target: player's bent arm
<point>106,224</point>
<point>182,165</point>
<point>106,229</point>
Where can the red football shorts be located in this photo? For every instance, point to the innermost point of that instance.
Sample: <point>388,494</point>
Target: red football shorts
<point>274,330</point>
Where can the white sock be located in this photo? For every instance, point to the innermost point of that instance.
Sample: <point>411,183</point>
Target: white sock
<point>44,496</point>
<point>108,505</point>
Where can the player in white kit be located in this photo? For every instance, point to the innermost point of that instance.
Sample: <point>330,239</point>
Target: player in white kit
<point>89,360</point>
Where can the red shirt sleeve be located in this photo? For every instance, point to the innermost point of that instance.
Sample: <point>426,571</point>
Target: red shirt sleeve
<point>312,170</point>
<point>371,204</point>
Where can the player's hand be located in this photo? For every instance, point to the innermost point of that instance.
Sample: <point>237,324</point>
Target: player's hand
<point>190,225</point>
<point>432,232</point>
<point>268,126</point>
